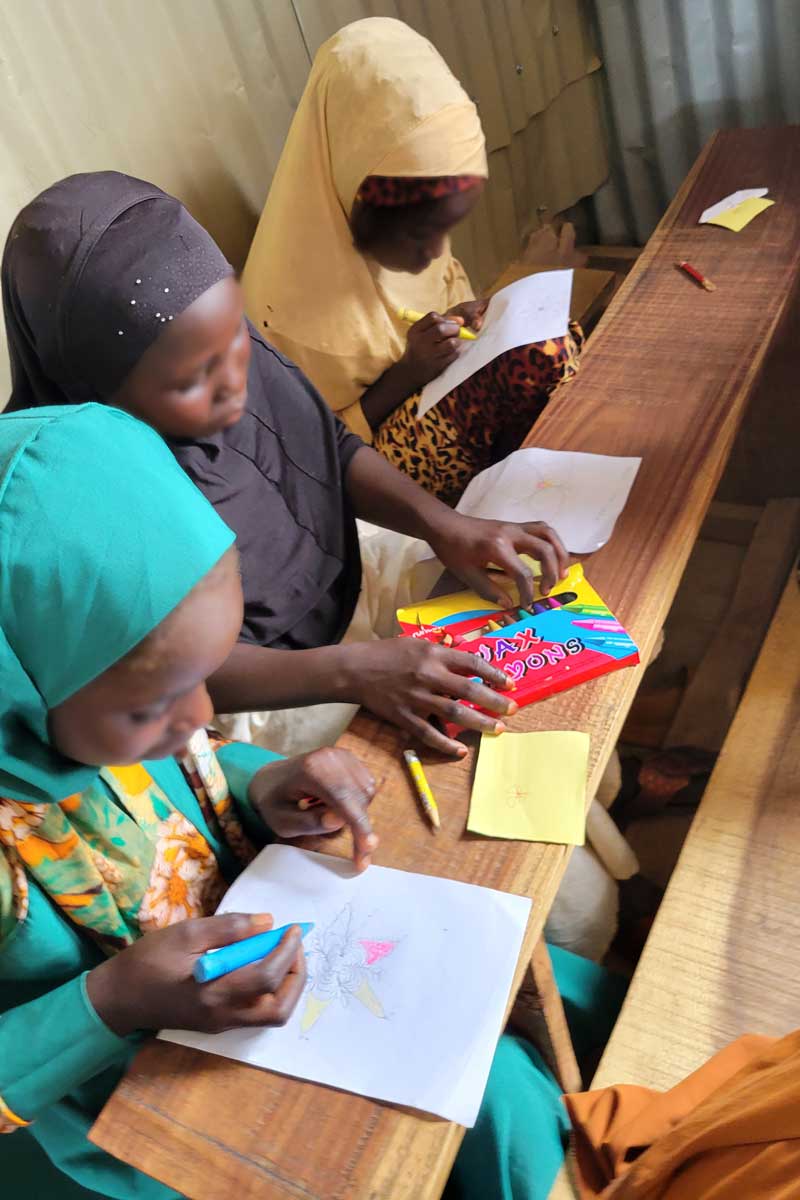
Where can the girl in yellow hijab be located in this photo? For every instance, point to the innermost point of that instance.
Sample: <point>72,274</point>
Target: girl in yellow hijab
<point>385,155</point>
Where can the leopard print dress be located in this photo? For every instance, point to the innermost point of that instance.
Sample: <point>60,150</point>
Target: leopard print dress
<point>480,421</point>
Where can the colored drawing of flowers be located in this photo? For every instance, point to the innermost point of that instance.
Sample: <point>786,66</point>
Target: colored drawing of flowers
<point>342,967</point>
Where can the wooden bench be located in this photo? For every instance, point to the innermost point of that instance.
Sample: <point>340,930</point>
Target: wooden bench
<point>723,957</point>
<point>667,375</point>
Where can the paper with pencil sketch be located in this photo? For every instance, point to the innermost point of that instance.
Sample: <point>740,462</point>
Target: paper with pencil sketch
<point>580,495</point>
<point>408,980</point>
<point>532,787</point>
<point>530,310</point>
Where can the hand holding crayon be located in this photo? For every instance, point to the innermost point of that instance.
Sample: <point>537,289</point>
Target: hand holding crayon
<point>152,985</point>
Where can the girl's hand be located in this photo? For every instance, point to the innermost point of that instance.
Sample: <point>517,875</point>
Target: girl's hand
<point>150,984</point>
<point>409,681</point>
<point>467,545</point>
<point>336,778</point>
<point>432,344</point>
<point>470,313</point>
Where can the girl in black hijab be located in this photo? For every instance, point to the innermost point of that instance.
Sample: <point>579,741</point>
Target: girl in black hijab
<point>113,292</point>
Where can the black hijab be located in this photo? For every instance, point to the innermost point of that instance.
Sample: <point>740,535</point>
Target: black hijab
<point>94,269</point>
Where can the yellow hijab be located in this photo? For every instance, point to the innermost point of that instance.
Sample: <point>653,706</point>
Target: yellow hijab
<point>380,100</point>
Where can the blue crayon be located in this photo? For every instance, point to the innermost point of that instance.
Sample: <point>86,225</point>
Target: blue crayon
<point>240,954</point>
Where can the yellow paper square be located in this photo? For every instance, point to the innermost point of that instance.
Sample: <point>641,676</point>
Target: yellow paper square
<point>531,787</point>
<point>741,214</point>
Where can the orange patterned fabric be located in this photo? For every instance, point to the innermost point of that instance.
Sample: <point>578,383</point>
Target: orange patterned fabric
<point>482,420</point>
<point>392,191</point>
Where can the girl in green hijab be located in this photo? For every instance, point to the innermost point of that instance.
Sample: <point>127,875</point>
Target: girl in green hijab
<point>119,595</point>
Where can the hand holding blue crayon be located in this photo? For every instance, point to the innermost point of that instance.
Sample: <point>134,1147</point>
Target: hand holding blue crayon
<point>151,984</point>
<point>216,963</point>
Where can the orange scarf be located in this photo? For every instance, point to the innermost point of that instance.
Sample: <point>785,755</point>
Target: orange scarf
<point>731,1131</point>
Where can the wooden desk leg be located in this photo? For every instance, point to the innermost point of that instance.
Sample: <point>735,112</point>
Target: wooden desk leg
<point>538,1014</point>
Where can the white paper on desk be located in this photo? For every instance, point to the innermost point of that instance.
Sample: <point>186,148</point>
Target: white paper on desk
<point>409,977</point>
<point>730,202</point>
<point>530,310</point>
<point>580,495</point>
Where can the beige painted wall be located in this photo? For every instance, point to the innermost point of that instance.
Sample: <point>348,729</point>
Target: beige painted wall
<point>197,96</point>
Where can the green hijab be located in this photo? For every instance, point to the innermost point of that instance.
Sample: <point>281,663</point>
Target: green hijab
<point>102,535</point>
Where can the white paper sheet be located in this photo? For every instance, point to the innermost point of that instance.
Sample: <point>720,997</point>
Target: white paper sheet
<point>530,310</point>
<point>409,977</point>
<point>730,202</point>
<point>580,495</point>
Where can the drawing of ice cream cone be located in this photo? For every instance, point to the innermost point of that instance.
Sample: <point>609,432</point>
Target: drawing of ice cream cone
<point>368,998</point>
<point>315,1007</point>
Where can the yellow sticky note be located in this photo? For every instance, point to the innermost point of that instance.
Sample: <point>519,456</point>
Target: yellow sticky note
<point>741,214</point>
<point>531,787</point>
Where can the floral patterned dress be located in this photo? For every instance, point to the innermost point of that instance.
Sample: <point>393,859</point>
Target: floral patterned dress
<point>142,848</point>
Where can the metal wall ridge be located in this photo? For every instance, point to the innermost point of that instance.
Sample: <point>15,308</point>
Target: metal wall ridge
<point>675,71</point>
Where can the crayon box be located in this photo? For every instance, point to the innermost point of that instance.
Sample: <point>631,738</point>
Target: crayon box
<point>559,641</point>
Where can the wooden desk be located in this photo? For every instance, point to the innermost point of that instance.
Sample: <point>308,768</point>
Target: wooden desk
<point>723,956</point>
<point>666,375</point>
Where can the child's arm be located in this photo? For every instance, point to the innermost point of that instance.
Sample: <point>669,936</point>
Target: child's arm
<point>467,546</point>
<point>404,680</point>
<point>268,790</point>
<point>49,1047</point>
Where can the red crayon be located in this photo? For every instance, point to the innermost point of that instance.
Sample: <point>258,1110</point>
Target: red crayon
<point>694,274</point>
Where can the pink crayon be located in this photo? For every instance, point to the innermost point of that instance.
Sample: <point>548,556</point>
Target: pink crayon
<point>604,626</point>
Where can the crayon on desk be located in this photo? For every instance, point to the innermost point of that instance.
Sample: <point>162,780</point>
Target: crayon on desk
<point>423,788</point>
<point>240,954</point>
<point>409,315</point>
<point>696,275</point>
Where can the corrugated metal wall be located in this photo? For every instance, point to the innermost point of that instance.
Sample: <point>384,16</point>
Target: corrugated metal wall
<point>197,96</point>
<point>676,70</point>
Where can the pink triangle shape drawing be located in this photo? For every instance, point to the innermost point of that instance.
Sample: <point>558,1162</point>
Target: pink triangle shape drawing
<point>375,950</point>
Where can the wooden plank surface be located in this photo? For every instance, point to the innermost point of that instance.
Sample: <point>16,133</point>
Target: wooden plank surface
<point>666,375</point>
<point>711,699</point>
<point>723,957</point>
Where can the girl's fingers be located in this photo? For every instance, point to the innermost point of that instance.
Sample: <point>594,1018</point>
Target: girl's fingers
<point>461,662</point>
<point>468,718</point>
<point>548,560</point>
<point>470,689</point>
<point>275,1009</point>
<point>209,933</point>
<point>364,777</point>
<point>346,788</point>
<point>446,330</point>
<point>429,735</point>
<point>540,530</point>
<point>258,978</point>
<point>482,582</point>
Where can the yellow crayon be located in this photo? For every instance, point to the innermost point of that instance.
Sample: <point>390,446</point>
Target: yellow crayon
<point>408,314</point>
<point>423,788</point>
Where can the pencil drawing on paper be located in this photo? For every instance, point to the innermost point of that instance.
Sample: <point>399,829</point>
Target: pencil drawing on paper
<point>516,797</point>
<point>343,966</point>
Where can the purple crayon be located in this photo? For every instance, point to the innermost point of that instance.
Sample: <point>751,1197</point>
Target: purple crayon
<point>548,602</point>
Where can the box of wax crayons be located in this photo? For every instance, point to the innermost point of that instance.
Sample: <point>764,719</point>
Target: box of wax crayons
<point>559,641</point>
